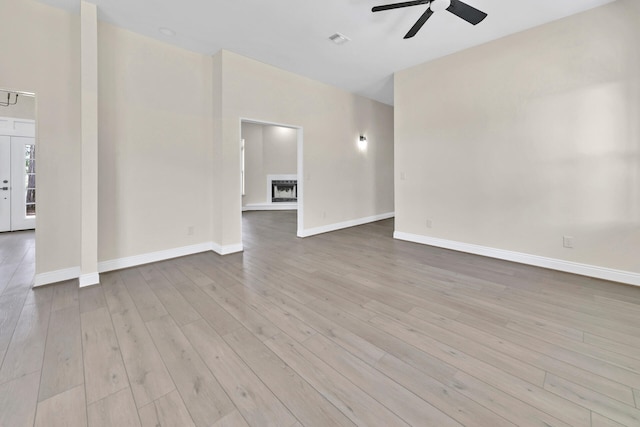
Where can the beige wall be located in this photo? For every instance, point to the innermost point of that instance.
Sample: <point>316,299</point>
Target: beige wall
<point>40,47</point>
<point>155,155</point>
<point>25,108</point>
<point>168,138</point>
<point>516,143</point>
<point>253,164</point>
<point>331,119</point>
<point>269,150</point>
<point>280,150</point>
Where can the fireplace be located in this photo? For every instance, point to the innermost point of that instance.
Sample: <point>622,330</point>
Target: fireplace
<point>284,190</point>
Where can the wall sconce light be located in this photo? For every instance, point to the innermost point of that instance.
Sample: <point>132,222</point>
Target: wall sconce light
<point>362,143</point>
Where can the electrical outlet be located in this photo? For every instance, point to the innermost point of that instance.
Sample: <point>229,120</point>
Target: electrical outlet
<point>324,214</point>
<point>190,230</point>
<point>567,242</point>
<point>429,223</point>
<point>403,176</point>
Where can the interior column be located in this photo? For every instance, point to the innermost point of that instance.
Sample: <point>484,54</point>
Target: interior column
<point>89,117</point>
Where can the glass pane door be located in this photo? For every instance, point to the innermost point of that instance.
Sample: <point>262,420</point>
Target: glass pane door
<point>23,188</point>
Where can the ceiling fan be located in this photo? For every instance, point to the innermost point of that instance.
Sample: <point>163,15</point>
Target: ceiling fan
<point>458,8</point>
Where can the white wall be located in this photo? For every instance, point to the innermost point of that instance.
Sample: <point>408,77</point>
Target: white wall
<point>168,141</point>
<point>332,120</point>
<point>156,124</point>
<point>24,109</point>
<point>269,150</point>
<point>254,186</point>
<point>516,143</point>
<point>40,47</point>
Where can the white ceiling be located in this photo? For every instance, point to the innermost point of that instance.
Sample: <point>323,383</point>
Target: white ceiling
<point>293,34</point>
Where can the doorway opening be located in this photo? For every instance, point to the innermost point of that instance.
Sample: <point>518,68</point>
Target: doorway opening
<point>18,203</point>
<point>271,171</point>
<point>17,162</point>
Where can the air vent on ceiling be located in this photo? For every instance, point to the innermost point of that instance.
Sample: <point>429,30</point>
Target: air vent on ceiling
<point>338,38</point>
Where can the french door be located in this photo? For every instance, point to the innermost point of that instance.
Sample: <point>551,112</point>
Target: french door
<point>17,183</point>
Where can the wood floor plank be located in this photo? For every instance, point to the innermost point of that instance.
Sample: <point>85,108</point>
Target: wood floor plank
<point>65,295</point>
<point>356,344</point>
<point>521,412</point>
<point>611,345</point>
<point>244,314</point>
<point>181,311</point>
<point>385,342</point>
<point>252,398</point>
<point>10,308</point>
<point>148,375</point>
<point>234,419</point>
<point>7,269</point>
<point>202,394</point>
<point>446,398</point>
<point>91,298</point>
<point>355,403</point>
<point>306,404</point>
<point>592,351</point>
<point>62,367</point>
<point>297,332</point>
<point>459,339</point>
<point>118,409</point>
<point>167,411</point>
<point>619,412</point>
<point>147,303</point>
<point>26,350</point>
<point>588,379</point>
<point>103,366</point>
<point>66,409</point>
<point>598,420</point>
<point>261,273</point>
<point>195,275</point>
<point>490,374</point>
<point>545,327</point>
<point>217,317</point>
<point>282,319</point>
<point>18,400</point>
<point>571,356</point>
<point>398,399</point>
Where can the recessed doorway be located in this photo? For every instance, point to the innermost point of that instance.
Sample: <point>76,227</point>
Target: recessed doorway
<point>17,162</point>
<point>271,168</point>
<point>18,203</point>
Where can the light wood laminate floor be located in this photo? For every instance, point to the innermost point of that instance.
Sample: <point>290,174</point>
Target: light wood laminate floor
<point>346,328</point>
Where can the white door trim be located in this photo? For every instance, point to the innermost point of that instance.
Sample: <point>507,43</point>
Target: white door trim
<point>15,128</point>
<point>299,171</point>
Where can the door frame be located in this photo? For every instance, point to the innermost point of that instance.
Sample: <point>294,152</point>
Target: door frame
<point>299,171</point>
<point>18,128</point>
<point>19,219</point>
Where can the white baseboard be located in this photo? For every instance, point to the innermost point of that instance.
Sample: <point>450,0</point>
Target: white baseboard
<point>604,273</point>
<point>132,261</point>
<point>346,224</point>
<point>270,207</point>
<point>56,276</point>
<point>89,279</point>
<point>227,249</point>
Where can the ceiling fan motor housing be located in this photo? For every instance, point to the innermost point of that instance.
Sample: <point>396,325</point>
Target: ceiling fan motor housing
<point>439,5</point>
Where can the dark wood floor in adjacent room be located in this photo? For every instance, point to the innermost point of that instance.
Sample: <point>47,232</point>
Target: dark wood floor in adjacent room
<point>345,328</point>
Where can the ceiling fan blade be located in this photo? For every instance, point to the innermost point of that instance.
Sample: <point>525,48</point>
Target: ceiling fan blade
<point>399,5</point>
<point>419,23</point>
<point>466,12</point>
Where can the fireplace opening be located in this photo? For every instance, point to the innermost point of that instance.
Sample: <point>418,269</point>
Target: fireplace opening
<point>284,191</point>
